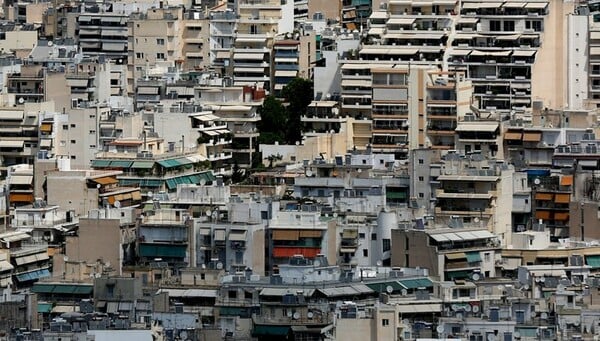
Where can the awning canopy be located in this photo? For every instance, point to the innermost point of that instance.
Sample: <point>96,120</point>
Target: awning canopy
<point>532,136</point>
<point>21,179</point>
<point>237,235</point>
<point>478,127</point>
<point>593,261</point>
<point>11,115</point>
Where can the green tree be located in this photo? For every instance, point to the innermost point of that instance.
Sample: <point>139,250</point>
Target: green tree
<point>298,94</point>
<point>273,121</point>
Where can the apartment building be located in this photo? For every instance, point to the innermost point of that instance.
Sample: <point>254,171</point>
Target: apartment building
<point>30,260</point>
<point>153,37</point>
<point>286,57</point>
<point>196,43</point>
<point>19,135</point>
<point>164,233</point>
<point>257,26</point>
<point>221,37</point>
<point>237,107</point>
<point>103,33</point>
<point>475,192</point>
<point>448,253</point>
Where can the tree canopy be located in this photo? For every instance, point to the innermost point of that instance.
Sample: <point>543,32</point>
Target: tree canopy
<point>281,123</point>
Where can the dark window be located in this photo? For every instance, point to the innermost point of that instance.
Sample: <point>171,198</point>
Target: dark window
<point>387,245</point>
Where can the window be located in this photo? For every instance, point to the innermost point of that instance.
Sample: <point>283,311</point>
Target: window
<point>92,131</point>
<point>92,146</point>
<point>160,41</point>
<point>373,236</point>
<point>73,141</point>
<point>421,178</point>
<point>421,161</point>
<point>160,56</point>
<point>421,195</point>
<point>365,252</point>
<point>65,127</point>
<point>202,276</point>
<point>139,55</point>
<point>232,294</point>
<point>361,236</point>
<point>487,257</point>
<point>385,322</point>
<point>509,26</point>
<point>494,25</point>
<point>92,116</point>
<point>73,157</point>
<point>387,245</point>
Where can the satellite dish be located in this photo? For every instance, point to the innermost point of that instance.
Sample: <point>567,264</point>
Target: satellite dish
<point>536,181</point>
<point>379,263</point>
<point>476,276</point>
<point>150,194</point>
<point>317,262</point>
<point>455,307</point>
<point>491,337</point>
<point>219,266</point>
<point>526,287</point>
<point>335,214</point>
<point>560,287</point>
<point>183,334</point>
<point>66,258</point>
<point>475,309</point>
<point>476,219</point>
<point>117,204</point>
<point>202,182</point>
<point>208,213</point>
<point>544,316</point>
<point>404,292</point>
<point>542,279</point>
<point>439,329</point>
<point>310,314</point>
<point>468,308</point>
<point>296,316</point>
<point>308,173</point>
<point>517,335</point>
<point>533,314</point>
<point>289,314</point>
<point>21,100</point>
<point>389,289</point>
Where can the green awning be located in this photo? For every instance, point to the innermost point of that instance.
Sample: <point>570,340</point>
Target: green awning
<point>162,250</point>
<point>42,288</point>
<point>461,274</point>
<point>270,330</point>
<point>169,163</point>
<point>395,195</point>
<point>44,308</point>
<point>100,163</point>
<point>382,286</point>
<point>143,164</point>
<point>207,176</point>
<point>593,261</point>
<point>527,332</point>
<point>62,289</point>
<point>129,182</point>
<point>184,161</point>
<point>121,164</point>
<point>473,257</point>
<point>416,283</point>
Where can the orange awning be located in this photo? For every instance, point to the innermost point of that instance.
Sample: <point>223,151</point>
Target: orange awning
<point>566,180</point>
<point>513,136</point>
<point>532,137</point>
<point>285,234</point>
<point>310,234</point>
<point>544,196</point>
<point>561,216</point>
<point>562,198</point>
<point>545,215</point>
<point>107,180</point>
<point>21,197</point>
<point>282,252</point>
<point>46,127</point>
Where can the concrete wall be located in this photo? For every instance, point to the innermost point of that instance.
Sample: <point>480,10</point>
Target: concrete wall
<point>98,239</point>
<point>550,87</point>
<point>68,190</point>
